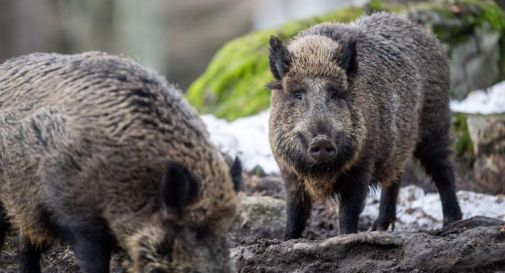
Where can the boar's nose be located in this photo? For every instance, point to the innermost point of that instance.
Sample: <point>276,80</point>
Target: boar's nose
<point>322,149</point>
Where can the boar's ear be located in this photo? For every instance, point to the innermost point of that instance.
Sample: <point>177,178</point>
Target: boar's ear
<point>179,188</point>
<point>236,174</point>
<point>346,56</point>
<point>279,58</point>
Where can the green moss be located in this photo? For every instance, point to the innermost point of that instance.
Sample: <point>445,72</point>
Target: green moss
<point>375,6</point>
<point>234,83</point>
<point>463,147</point>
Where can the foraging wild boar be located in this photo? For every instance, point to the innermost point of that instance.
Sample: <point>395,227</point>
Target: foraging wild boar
<point>100,153</point>
<point>350,104</point>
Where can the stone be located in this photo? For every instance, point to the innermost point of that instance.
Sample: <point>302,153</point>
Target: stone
<point>488,138</point>
<point>487,133</point>
<point>258,217</point>
<point>265,186</point>
<point>475,63</point>
<point>490,173</point>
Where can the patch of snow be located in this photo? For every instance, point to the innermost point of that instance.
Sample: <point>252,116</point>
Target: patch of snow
<point>482,102</point>
<point>245,137</point>
<point>419,211</point>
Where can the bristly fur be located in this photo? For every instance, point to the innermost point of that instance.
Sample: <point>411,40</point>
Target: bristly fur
<point>87,139</point>
<point>378,89</point>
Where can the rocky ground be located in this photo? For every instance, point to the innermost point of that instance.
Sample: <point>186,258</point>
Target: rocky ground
<point>473,245</point>
<point>476,244</point>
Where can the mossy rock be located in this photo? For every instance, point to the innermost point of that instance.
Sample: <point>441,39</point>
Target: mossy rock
<point>234,84</point>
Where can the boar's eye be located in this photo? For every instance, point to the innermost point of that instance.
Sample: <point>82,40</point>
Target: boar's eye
<point>335,93</point>
<point>298,94</point>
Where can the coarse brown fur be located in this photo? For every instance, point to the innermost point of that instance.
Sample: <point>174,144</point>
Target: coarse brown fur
<point>86,139</point>
<point>373,92</point>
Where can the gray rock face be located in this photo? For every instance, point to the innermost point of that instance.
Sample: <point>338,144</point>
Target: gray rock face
<point>475,64</point>
<point>473,245</point>
<point>490,173</point>
<point>487,133</point>
<point>488,137</point>
<point>475,60</point>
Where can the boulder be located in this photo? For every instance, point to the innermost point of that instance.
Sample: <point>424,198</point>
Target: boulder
<point>490,173</point>
<point>258,217</point>
<point>487,133</point>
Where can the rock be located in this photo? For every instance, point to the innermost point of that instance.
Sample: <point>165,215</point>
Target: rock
<point>264,186</point>
<point>258,217</point>
<point>473,49</point>
<point>475,63</point>
<point>490,173</point>
<point>487,133</point>
<point>473,245</point>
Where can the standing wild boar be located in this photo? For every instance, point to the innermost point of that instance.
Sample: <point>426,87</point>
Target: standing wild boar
<point>350,104</point>
<point>100,153</point>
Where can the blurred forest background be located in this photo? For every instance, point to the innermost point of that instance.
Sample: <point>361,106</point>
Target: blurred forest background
<point>176,38</point>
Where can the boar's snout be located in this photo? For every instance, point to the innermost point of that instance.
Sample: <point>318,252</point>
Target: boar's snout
<point>321,149</point>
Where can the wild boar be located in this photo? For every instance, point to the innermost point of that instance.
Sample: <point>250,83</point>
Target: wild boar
<point>350,104</point>
<point>103,154</point>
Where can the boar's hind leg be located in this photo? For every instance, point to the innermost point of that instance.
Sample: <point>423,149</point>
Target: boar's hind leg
<point>299,205</point>
<point>4,225</point>
<point>434,155</point>
<point>387,208</point>
<point>29,255</point>
<point>91,245</point>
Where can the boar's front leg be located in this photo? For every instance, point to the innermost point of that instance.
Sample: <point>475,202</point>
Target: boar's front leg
<point>91,245</point>
<point>29,255</point>
<point>299,205</point>
<point>352,193</point>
